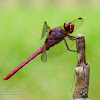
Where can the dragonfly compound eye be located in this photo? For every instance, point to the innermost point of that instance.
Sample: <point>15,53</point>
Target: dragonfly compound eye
<point>67,26</point>
<point>71,26</point>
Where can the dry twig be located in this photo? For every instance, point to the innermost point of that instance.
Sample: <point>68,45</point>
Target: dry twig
<point>82,71</point>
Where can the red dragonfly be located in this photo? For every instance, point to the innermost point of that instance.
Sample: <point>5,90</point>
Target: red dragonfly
<point>54,37</point>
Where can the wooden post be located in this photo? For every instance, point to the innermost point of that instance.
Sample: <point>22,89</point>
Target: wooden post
<point>82,71</point>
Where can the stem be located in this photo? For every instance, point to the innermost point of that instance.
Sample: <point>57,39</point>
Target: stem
<point>82,71</point>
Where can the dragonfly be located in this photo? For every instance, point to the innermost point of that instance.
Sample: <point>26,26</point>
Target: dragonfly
<point>54,37</point>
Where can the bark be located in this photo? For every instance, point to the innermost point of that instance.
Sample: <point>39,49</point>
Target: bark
<point>82,71</point>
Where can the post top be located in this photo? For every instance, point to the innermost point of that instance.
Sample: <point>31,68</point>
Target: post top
<point>79,35</point>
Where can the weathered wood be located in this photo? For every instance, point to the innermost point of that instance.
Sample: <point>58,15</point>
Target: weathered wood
<point>82,71</point>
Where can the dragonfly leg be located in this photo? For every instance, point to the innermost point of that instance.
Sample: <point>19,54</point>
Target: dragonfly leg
<point>72,37</point>
<point>68,47</point>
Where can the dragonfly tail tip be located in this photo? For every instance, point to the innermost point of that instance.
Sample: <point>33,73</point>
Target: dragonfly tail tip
<point>5,78</point>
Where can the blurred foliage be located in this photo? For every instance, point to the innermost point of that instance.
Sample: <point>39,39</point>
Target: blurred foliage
<point>20,33</point>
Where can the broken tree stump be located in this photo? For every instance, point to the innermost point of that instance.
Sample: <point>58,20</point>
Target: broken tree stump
<point>82,71</point>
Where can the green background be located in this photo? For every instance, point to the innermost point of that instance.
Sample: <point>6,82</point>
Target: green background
<point>20,33</point>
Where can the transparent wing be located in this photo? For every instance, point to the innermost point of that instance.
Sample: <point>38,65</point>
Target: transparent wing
<point>60,48</point>
<point>43,56</point>
<point>46,30</point>
<point>62,26</point>
<point>77,23</point>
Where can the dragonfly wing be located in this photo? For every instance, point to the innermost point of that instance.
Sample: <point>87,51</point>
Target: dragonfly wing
<point>60,48</point>
<point>77,23</point>
<point>46,30</point>
<point>62,26</point>
<point>43,56</point>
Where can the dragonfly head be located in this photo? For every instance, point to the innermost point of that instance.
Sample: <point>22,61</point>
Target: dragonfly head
<point>69,27</point>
